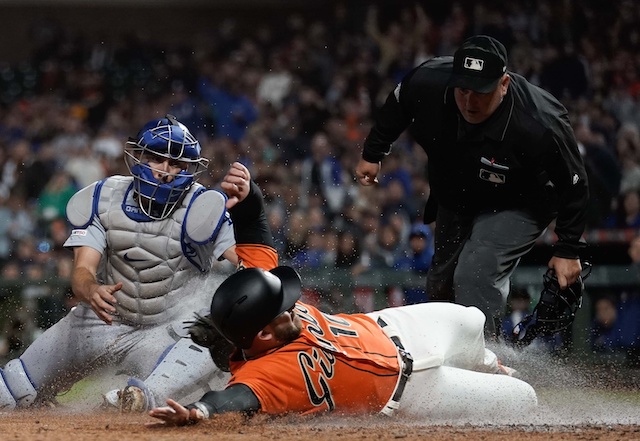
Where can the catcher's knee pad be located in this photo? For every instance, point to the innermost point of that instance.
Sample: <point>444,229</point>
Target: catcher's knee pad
<point>183,367</point>
<point>184,359</point>
<point>18,383</point>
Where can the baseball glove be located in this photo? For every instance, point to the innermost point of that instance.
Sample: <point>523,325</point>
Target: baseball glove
<point>204,334</point>
<point>555,310</point>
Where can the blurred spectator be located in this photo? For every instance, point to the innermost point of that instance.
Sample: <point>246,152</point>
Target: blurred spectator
<point>606,334</point>
<point>187,109</point>
<point>312,114</point>
<point>396,170</point>
<point>627,214</point>
<point>275,84</point>
<point>15,337</point>
<point>395,204</point>
<point>615,329</point>
<point>314,254</point>
<point>397,37</point>
<point>6,217</point>
<point>11,271</point>
<point>603,169</point>
<point>25,172</point>
<point>106,143</point>
<point>348,249</point>
<point>381,253</point>
<point>322,175</point>
<point>20,220</point>
<point>84,167</point>
<point>619,100</point>
<point>230,107</point>
<point>417,258</point>
<point>277,223</point>
<point>518,307</point>
<point>52,202</point>
<point>109,150</point>
<point>73,136</point>
<point>634,253</point>
<point>628,151</point>
<point>297,231</point>
<point>565,75</point>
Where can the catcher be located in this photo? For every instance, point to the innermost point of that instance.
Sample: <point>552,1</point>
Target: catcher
<point>292,358</point>
<point>144,246</point>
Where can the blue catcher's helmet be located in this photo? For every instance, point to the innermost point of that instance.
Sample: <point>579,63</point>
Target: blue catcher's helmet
<point>160,140</point>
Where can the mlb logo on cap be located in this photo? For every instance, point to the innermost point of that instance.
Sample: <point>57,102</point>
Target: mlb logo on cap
<point>473,63</point>
<point>479,64</point>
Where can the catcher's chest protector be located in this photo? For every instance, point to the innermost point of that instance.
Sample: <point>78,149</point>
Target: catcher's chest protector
<point>146,256</point>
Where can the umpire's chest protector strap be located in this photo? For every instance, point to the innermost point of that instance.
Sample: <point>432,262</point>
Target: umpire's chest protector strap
<point>405,362</point>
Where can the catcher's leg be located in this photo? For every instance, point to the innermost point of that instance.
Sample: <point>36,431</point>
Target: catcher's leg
<point>7,400</point>
<point>183,369</point>
<point>65,353</point>
<point>16,389</point>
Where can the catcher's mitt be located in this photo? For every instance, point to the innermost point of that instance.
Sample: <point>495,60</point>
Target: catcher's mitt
<point>204,334</point>
<point>555,310</point>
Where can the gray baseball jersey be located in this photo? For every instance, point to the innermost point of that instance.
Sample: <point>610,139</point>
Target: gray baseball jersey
<point>165,270</point>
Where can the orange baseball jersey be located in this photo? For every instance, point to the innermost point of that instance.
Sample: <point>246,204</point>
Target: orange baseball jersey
<point>342,363</point>
<point>252,255</point>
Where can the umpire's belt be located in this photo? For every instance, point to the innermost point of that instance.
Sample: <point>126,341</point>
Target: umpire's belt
<point>405,373</point>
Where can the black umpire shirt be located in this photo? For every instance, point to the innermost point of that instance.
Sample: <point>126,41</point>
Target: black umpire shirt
<point>524,156</point>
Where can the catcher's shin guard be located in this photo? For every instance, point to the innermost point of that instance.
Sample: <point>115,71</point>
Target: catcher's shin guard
<point>184,368</point>
<point>18,383</point>
<point>6,398</point>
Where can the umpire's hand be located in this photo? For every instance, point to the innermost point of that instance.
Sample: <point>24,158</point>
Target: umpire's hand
<point>566,270</point>
<point>367,172</point>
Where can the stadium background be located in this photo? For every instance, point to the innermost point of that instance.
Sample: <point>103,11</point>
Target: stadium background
<point>78,77</point>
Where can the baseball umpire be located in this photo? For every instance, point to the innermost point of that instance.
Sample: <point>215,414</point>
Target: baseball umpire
<point>293,358</point>
<point>503,163</point>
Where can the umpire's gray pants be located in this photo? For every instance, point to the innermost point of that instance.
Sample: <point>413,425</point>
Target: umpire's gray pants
<point>475,256</point>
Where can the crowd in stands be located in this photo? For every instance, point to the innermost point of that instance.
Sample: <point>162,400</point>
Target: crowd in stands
<point>294,101</point>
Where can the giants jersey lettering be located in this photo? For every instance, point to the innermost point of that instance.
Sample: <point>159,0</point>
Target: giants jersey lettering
<point>341,363</point>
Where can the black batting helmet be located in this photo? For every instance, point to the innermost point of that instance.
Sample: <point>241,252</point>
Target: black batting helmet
<point>249,299</point>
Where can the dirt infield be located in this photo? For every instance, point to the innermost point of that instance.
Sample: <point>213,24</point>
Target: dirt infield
<point>574,402</point>
<point>55,425</point>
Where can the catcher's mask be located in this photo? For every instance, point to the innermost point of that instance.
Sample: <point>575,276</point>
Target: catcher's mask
<point>162,139</point>
<point>555,310</point>
<point>249,299</point>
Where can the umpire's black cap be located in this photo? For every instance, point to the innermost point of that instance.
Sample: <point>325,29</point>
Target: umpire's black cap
<point>249,299</point>
<point>478,64</point>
